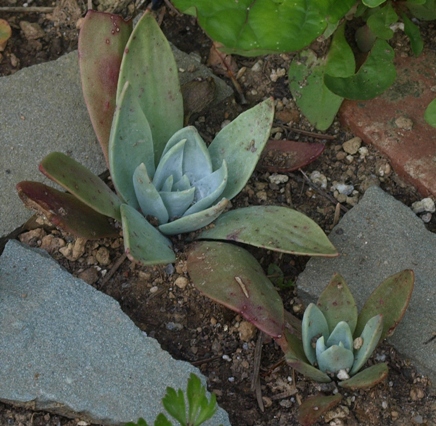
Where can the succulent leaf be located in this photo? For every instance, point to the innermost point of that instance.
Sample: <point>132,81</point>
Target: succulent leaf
<point>148,196</point>
<point>102,40</point>
<point>149,66</point>
<point>274,228</point>
<point>177,202</point>
<point>314,326</point>
<point>82,183</point>
<point>130,144</point>
<point>241,143</point>
<point>367,378</point>
<point>65,211</point>
<point>341,334</point>
<point>389,299</point>
<point>196,160</point>
<point>194,221</point>
<point>316,406</point>
<point>171,164</point>
<point>231,276</point>
<point>337,303</point>
<point>335,358</point>
<point>370,336</point>
<point>208,189</point>
<point>142,241</point>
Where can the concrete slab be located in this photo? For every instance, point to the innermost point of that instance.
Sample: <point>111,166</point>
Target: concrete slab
<point>42,110</point>
<point>69,349</point>
<point>378,238</point>
<point>394,122</point>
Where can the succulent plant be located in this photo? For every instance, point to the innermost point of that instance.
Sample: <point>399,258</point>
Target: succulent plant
<point>333,341</point>
<point>160,169</point>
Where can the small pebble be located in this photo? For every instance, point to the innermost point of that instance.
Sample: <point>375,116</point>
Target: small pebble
<point>174,326</point>
<point>363,151</point>
<point>102,256</point>
<point>277,179</point>
<point>257,66</point>
<point>426,217</point>
<point>404,123</point>
<point>247,331</point>
<point>31,30</point>
<point>181,282</point>
<point>425,205</point>
<point>154,289</point>
<point>352,146</point>
<point>343,188</point>
<point>318,179</point>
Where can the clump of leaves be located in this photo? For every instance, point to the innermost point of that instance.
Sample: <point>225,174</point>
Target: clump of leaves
<point>333,342</point>
<point>167,180</point>
<point>190,408</point>
<point>318,83</point>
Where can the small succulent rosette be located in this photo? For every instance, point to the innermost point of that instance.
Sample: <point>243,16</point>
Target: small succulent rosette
<point>336,341</point>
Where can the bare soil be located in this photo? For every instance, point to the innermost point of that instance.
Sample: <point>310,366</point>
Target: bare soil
<point>163,302</point>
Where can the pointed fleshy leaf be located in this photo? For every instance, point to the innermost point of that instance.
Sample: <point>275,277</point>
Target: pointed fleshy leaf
<point>82,183</point>
<point>171,164</point>
<point>316,406</point>
<point>194,221</point>
<point>370,337</point>
<point>313,326</point>
<point>168,183</point>
<point>177,202</point>
<point>148,197</point>
<point>335,358</point>
<point>375,75</point>
<point>285,156</point>
<point>130,144</point>
<point>65,211</point>
<point>295,357</point>
<point>341,334</point>
<point>430,113</point>
<point>182,184</point>
<point>196,160</point>
<point>231,276</point>
<point>241,143</point>
<point>337,303</point>
<point>143,242</point>
<point>209,189</point>
<point>102,40</point>
<point>367,378</point>
<point>389,299</point>
<point>149,66</point>
<point>273,228</point>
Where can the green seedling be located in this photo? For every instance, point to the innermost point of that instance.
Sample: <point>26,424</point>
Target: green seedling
<point>191,410</point>
<point>167,180</point>
<point>335,341</point>
<point>318,83</point>
<point>277,277</point>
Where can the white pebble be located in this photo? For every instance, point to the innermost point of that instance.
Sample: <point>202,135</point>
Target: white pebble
<point>318,179</point>
<point>425,205</point>
<point>343,188</point>
<point>226,358</point>
<point>277,179</point>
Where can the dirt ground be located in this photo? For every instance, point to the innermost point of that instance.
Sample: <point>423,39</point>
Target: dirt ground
<point>163,302</point>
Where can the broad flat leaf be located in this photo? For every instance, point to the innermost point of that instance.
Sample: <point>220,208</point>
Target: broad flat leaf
<point>413,32</point>
<point>315,100</point>
<point>231,276</point>
<point>430,113</point>
<point>373,78</point>
<point>130,144</point>
<point>143,242</point>
<point>373,3</point>
<point>367,378</point>
<point>253,28</point>
<point>273,228</point>
<point>389,299</point>
<point>423,10</point>
<point>149,66</point>
<point>337,303</point>
<point>65,211</point>
<point>306,80</point>
<point>380,21</point>
<point>286,156</point>
<point>102,40</point>
<point>82,183</point>
<point>240,144</point>
<point>316,406</point>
